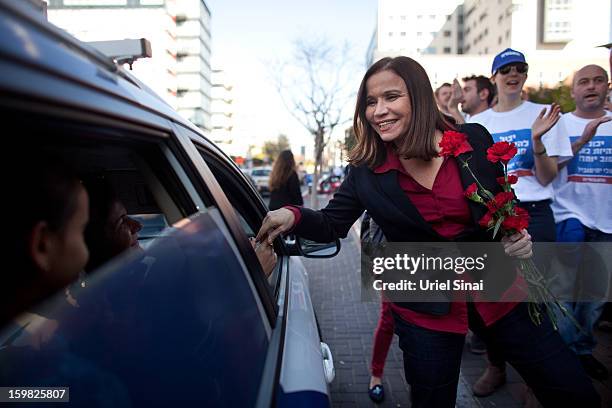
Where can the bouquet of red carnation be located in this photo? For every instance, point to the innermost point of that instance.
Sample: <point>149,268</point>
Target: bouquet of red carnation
<point>504,215</point>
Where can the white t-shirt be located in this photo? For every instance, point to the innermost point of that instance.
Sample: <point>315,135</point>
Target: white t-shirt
<point>583,189</point>
<point>515,126</point>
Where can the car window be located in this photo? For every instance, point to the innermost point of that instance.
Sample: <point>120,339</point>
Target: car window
<point>176,324</point>
<point>245,202</point>
<point>260,173</point>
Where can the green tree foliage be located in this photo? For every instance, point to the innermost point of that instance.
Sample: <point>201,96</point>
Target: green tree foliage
<point>273,148</point>
<point>561,95</point>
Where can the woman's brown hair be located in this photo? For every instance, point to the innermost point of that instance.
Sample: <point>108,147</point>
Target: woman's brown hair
<point>418,142</point>
<point>284,166</point>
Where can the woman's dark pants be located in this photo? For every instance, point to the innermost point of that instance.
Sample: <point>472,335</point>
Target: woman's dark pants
<point>432,360</point>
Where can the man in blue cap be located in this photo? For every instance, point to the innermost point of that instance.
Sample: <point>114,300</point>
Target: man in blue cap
<point>526,124</point>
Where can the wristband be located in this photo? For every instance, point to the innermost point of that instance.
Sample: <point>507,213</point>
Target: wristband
<point>543,152</point>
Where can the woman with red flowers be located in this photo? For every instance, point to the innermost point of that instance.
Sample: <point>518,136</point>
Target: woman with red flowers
<point>415,194</point>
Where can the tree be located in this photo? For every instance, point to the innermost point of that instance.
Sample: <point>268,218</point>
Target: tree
<point>561,95</point>
<point>314,88</point>
<point>272,149</point>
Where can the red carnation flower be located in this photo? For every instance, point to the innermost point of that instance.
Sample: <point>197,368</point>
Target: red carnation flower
<point>454,143</point>
<point>500,200</point>
<point>518,221</point>
<point>471,190</point>
<point>512,179</point>
<point>501,151</point>
<point>485,221</point>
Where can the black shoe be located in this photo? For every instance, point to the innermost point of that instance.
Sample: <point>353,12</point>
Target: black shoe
<point>377,393</point>
<point>593,367</point>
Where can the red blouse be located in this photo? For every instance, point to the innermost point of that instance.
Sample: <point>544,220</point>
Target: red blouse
<point>446,209</point>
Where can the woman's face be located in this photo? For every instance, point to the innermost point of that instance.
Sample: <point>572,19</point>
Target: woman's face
<point>388,108</point>
<point>69,252</point>
<point>510,83</point>
<point>121,230</point>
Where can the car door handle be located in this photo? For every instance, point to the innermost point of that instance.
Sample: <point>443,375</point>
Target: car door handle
<point>328,363</point>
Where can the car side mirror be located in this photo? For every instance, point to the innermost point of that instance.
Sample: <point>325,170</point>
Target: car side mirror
<point>311,249</point>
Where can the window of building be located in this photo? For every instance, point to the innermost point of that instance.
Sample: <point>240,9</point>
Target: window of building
<point>403,33</point>
<point>460,50</point>
<point>500,18</point>
<point>486,50</point>
<point>448,17</point>
<point>499,40</point>
<point>507,34</point>
<point>486,31</point>
<point>460,19</point>
<point>390,34</point>
<point>419,17</point>
<point>402,17</point>
<point>447,50</point>
<point>460,36</point>
<point>447,33</point>
<point>419,34</point>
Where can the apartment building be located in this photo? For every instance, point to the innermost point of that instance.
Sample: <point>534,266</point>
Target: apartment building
<point>557,36</point>
<point>222,110</point>
<point>179,32</point>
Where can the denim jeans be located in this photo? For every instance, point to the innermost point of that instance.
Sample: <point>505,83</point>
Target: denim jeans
<point>432,360</point>
<point>585,313</point>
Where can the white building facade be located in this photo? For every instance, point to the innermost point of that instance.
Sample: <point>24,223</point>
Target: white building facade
<point>222,112</point>
<point>179,32</point>
<point>556,36</point>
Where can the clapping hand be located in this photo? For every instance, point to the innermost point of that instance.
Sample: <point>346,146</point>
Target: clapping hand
<point>456,95</point>
<point>591,128</point>
<point>545,121</point>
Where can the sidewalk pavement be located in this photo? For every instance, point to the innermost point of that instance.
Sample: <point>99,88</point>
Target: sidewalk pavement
<point>347,325</point>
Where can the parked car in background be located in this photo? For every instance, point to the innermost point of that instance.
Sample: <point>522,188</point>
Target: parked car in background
<point>191,320</point>
<point>261,176</point>
<point>247,173</point>
<point>329,184</point>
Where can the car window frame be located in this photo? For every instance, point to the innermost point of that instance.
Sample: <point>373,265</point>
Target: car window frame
<point>206,183</point>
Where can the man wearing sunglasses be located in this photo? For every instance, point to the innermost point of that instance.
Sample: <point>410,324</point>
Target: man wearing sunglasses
<point>526,124</point>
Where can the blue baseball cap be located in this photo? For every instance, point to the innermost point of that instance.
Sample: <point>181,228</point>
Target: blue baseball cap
<point>507,56</point>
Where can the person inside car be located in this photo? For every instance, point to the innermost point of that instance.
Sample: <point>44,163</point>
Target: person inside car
<point>48,219</point>
<point>110,231</point>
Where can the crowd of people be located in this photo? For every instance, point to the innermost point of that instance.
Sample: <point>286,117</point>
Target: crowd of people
<point>414,194</point>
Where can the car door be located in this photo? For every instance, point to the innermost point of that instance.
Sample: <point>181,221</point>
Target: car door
<point>176,324</point>
<point>295,366</point>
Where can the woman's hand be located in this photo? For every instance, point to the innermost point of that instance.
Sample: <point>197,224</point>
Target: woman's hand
<point>275,223</point>
<point>266,256</point>
<point>518,245</point>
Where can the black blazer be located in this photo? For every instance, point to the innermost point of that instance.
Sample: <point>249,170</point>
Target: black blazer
<point>287,194</point>
<point>385,201</point>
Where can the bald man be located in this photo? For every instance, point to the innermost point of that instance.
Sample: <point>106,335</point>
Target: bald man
<point>583,193</point>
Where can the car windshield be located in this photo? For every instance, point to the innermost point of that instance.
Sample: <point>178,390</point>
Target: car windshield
<point>260,173</point>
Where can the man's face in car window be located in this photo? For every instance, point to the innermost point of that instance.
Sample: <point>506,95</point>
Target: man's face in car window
<point>121,229</point>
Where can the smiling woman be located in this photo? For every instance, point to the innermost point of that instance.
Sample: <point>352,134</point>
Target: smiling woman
<point>415,194</point>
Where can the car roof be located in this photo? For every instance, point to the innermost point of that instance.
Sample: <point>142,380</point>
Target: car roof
<point>43,62</point>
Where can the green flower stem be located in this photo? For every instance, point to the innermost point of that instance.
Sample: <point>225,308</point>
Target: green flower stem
<point>484,190</point>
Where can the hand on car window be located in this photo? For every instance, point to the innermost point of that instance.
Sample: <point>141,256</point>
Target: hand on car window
<point>265,254</point>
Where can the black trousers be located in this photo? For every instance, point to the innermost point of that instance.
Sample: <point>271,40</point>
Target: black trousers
<point>432,360</point>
